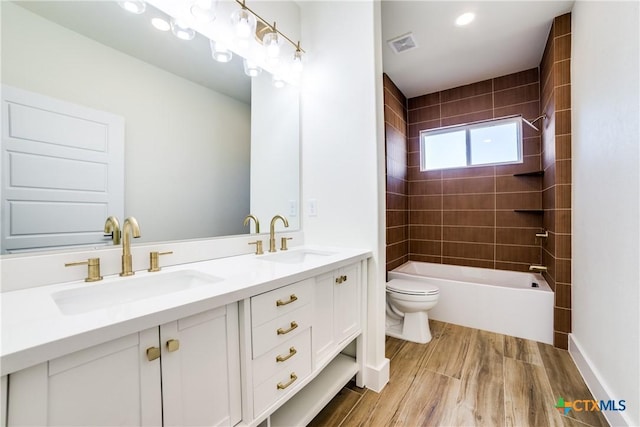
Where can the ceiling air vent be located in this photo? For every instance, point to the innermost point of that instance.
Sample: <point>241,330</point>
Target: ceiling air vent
<point>403,43</point>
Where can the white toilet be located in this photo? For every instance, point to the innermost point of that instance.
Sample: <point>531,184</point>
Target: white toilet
<point>407,304</point>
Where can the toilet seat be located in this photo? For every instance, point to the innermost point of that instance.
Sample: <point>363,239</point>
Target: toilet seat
<point>411,287</point>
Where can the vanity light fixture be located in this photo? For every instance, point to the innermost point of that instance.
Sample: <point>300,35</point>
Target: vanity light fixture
<point>204,10</point>
<point>181,30</point>
<point>220,52</point>
<point>133,6</point>
<point>251,68</point>
<point>465,19</point>
<point>265,33</point>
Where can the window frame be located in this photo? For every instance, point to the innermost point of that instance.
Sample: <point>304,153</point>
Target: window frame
<point>467,127</point>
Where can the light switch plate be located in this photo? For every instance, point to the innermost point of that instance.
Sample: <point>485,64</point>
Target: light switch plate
<point>313,207</point>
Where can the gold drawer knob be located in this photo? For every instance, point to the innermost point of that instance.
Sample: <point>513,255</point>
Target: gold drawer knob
<point>292,298</point>
<point>292,379</point>
<point>341,279</point>
<point>153,353</point>
<point>173,345</point>
<point>286,331</point>
<point>292,351</point>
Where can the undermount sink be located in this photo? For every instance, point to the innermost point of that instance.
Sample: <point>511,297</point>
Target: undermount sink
<point>296,256</point>
<point>127,290</point>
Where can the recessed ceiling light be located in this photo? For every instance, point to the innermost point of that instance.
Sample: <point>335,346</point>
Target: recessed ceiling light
<point>465,19</point>
<point>161,24</point>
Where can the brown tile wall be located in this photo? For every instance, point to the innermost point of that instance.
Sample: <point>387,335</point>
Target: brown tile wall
<point>395,121</point>
<point>466,216</point>
<point>556,161</point>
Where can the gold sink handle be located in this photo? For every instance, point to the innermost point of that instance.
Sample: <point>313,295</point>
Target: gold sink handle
<point>154,263</point>
<point>93,268</point>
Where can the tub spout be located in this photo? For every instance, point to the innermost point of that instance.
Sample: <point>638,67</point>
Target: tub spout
<point>537,268</point>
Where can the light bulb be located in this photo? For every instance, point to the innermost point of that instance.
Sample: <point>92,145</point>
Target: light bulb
<point>297,65</point>
<point>204,10</point>
<point>132,6</point>
<point>251,68</point>
<point>272,45</point>
<point>220,52</point>
<point>181,30</point>
<point>465,19</point>
<point>244,24</point>
<point>277,81</point>
<point>160,24</point>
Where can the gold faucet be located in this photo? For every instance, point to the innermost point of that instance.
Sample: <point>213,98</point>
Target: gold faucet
<point>537,268</point>
<point>272,231</point>
<point>112,226</point>
<point>252,217</point>
<point>129,228</point>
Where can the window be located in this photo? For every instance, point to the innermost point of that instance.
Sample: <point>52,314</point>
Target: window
<point>494,142</point>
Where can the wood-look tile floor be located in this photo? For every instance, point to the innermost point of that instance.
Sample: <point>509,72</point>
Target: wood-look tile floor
<point>467,377</point>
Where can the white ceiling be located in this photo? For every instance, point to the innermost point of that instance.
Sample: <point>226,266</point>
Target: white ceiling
<point>109,24</point>
<point>505,37</point>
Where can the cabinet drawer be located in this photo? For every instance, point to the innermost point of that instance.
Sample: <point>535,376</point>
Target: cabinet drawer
<point>280,329</point>
<point>268,392</point>
<point>268,306</point>
<point>281,357</point>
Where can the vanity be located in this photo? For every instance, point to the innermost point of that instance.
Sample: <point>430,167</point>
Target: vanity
<point>243,340</point>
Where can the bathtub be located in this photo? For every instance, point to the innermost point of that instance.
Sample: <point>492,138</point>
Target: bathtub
<point>492,300</point>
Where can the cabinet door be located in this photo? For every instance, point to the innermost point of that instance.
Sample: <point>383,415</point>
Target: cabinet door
<point>322,330</point>
<point>108,384</point>
<point>346,296</point>
<point>201,369</point>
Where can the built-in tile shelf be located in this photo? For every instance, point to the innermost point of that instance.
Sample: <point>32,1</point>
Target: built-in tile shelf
<point>532,173</point>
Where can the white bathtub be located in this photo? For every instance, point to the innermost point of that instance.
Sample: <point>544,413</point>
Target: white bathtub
<point>492,300</point>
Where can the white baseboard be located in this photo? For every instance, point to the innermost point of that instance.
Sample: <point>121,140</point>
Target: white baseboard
<point>596,383</point>
<point>376,377</point>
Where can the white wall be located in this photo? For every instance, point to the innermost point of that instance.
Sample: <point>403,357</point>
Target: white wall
<point>342,146</point>
<point>186,148</point>
<point>275,153</point>
<point>606,215</point>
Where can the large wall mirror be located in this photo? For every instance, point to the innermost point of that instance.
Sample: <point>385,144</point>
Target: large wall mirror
<point>204,145</point>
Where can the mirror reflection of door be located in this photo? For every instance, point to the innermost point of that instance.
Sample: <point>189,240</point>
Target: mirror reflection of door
<point>62,172</point>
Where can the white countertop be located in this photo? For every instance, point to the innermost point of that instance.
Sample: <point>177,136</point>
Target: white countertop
<point>34,329</point>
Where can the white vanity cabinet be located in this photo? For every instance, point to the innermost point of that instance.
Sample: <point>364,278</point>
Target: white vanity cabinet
<point>183,373</point>
<point>336,310</point>
<point>292,373</point>
<point>280,342</point>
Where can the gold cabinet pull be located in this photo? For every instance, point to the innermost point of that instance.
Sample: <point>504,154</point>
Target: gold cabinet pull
<point>153,353</point>
<point>292,379</point>
<point>292,351</point>
<point>341,279</point>
<point>173,345</point>
<point>292,298</point>
<point>286,331</point>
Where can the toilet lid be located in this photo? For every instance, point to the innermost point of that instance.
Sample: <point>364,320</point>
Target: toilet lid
<point>412,287</point>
